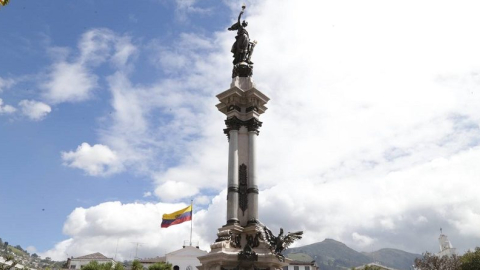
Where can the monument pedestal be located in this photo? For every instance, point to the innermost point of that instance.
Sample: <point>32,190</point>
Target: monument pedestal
<point>239,248</point>
<point>243,242</point>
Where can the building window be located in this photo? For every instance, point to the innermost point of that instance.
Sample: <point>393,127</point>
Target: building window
<point>176,267</point>
<point>296,268</point>
<point>285,268</point>
<point>73,266</point>
<point>307,267</point>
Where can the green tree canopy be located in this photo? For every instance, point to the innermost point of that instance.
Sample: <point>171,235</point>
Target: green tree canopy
<point>160,266</point>
<point>471,260</point>
<point>94,265</point>
<point>136,265</point>
<point>433,262</point>
<point>119,266</point>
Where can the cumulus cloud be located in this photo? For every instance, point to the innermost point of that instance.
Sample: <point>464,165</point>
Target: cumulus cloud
<point>96,160</point>
<point>34,110</point>
<point>6,109</point>
<point>101,227</point>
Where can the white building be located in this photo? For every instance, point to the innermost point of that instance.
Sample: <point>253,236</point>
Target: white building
<point>375,264</point>
<point>182,259</point>
<point>300,265</point>
<point>446,248</point>
<point>77,263</point>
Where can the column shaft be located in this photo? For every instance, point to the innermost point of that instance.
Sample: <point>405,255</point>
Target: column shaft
<point>252,178</point>
<point>232,197</point>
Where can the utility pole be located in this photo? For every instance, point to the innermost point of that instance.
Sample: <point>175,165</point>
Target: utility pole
<point>136,249</point>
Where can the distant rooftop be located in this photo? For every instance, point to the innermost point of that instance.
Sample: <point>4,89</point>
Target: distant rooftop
<point>152,260</point>
<point>94,256</point>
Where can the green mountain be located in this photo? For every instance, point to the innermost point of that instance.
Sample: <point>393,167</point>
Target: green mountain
<point>393,258</point>
<point>333,255</point>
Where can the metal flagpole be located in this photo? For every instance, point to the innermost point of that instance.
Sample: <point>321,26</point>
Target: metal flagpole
<point>191,222</point>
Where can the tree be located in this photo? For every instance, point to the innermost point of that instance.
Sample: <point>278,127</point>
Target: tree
<point>94,265</point>
<point>136,265</point>
<point>34,255</point>
<point>471,260</point>
<point>4,2</point>
<point>119,266</point>
<point>432,262</point>
<point>160,266</point>
<point>371,267</point>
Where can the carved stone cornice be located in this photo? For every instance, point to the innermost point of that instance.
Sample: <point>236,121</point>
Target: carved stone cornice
<point>253,125</point>
<point>233,123</point>
<point>234,107</point>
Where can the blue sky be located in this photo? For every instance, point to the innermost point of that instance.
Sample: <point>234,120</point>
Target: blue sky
<point>38,191</point>
<point>108,120</point>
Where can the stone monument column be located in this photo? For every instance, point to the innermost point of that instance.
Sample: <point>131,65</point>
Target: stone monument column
<point>244,243</point>
<point>242,104</point>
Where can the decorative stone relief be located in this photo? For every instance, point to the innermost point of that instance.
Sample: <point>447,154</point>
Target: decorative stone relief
<point>235,241</point>
<point>247,254</point>
<point>253,241</point>
<point>242,189</point>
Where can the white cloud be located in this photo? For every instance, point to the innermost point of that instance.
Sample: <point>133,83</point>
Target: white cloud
<point>5,83</point>
<point>374,118</point>
<point>6,109</point>
<point>69,82</point>
<point>147,194</point>
<point>362,240</point>
<point>186,7</point>
<point>34,110</point>
<point>202,200</point>
<point>96,160</point>
<point>100,228</point>
<point>31,249</point>
<point>173,190</point>
<point>74,80</point>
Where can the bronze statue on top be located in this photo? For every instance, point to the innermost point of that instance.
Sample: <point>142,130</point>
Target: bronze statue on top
<point>242,49</point>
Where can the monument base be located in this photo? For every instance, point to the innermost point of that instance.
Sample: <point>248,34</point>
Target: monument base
<point>241,248</point>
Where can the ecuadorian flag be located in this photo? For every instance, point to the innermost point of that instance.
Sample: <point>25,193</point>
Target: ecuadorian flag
<point>177,217</point>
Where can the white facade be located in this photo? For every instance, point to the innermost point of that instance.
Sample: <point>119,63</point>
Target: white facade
<point>182,259</point>
<point>300,266</point>
<point>446,248</point>
<point>185,258</point>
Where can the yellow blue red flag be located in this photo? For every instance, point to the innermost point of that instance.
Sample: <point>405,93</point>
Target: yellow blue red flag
<point>177,217</point>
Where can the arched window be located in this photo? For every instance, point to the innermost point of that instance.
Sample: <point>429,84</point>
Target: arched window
<point>176,267</point>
